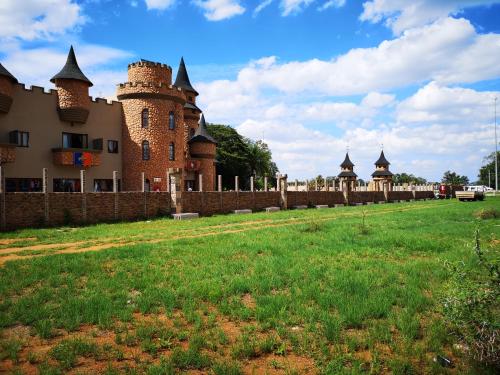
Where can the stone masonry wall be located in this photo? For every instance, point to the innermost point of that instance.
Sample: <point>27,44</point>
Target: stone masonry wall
<point>366,196</point>
<point>73,94</point>
<point>400,195</point>
<point>313,198</point>
<point>20,210</point>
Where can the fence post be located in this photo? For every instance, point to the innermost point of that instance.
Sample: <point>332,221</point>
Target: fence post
<point>283,184</point>
<point>143,189</point>
<point>251,184</point>
<point>200,182</point>
<point>265,183</point>
<point>219,180</point>
<point>115,193</point>
<point>236,183</point>
<point>45,190</point>
<point>84,196</point>
<point>3,201</point>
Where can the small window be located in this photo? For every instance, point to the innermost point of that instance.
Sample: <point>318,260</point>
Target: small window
<point>19,138</point>
<point>145,150</point>
<point>171,121</point>
<point>171,151</point>
<point>74,140</point>
<point>112,146</point>
<point>145,118</point>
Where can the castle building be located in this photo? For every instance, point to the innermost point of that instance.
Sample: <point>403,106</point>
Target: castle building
<point>347,176</point>
<point>382,176</point>
<point>154,128</point>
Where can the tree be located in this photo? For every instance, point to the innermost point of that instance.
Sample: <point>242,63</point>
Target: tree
<point>486,174</point>
<point>240,156</point>
<point>454,178</point>
<point>405,178</point>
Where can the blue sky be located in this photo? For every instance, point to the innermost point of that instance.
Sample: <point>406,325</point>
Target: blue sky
<point>311,77</point>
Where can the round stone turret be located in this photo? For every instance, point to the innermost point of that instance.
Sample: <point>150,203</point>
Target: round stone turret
<point>7,82</point>
<point>72,91</point>
<point>203,148</point>
<point>153,125</point>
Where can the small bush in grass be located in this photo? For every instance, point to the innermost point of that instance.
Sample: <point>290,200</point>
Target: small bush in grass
<point>10,350</point>
<point>44,328</point>
<point>67,351</point>
<point>472,305</point>
<point>313,226</point>
<point>484,214</point>
<point>226,369</point>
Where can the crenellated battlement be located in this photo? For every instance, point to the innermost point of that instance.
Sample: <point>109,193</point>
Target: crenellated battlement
<point>143,63</point>
<point>129,90</point>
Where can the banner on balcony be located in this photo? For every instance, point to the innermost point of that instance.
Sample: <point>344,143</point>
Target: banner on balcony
<point>82,159</point>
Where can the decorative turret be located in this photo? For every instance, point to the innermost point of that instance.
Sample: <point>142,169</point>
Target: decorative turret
<point>347,176</point>
<point>382,176</point>
<point>182,79</point>
<point>73,91</point>
<point>202,149</point>
<point>7,82</point>
<point>153,132</point>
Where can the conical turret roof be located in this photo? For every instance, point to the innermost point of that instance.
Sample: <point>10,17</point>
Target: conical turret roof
<point>347,163</point>
<point>182,79</point>
<point>382,160</point>
<point>5,73</point>
<point>201,133</point>
<point>71,70</point>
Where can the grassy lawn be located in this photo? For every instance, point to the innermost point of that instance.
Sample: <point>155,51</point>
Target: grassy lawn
<point>345,290</point>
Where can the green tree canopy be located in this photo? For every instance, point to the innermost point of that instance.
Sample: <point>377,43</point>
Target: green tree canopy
<point>486,174</point>
<point>405,178</point>
<point>454,178</point>
<point>240,156</point>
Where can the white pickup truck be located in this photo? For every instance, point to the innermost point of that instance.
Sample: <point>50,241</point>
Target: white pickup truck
<point>469,195</point>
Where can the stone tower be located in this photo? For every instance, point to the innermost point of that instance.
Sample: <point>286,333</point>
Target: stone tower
<point>382,177</point>
<point>347,176</point>
<point>202,149</point>
<point>191,111</point>
<point>7,82</point>
<point>153,134</point>
<point>72,91</point>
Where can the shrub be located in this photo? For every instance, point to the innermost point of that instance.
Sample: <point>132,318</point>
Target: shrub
<point>472,306</point>
<point>484,214</point>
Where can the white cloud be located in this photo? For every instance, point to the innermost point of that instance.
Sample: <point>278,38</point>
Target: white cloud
<point>400,15</point>
<point>261,6</point>
<point>331,4</point>
<point>217,10</point>
<point>38,19</point>
<point>448,51</point>
<point>293,6</point>
<point>455,105</point>
<point>159,4</point>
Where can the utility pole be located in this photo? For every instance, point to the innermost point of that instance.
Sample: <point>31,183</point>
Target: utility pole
<point>496,149</point>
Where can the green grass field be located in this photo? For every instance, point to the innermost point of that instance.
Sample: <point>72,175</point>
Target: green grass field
<point>345,290</point>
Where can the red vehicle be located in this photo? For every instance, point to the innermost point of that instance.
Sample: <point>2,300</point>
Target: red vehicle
<point>447,191</point>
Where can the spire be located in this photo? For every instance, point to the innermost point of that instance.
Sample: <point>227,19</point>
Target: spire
<point>201,133</point>
<point>182,79</point>
<point>347,163</point>
<point>382,160</point>
<point>71,70</point>
<point>5,73</point>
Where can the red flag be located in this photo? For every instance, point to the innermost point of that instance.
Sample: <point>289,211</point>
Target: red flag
<point>87,159</point>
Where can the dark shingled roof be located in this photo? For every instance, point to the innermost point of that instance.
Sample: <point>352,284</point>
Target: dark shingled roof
<point>191,106</point>
<point>182,79</point>
<point>347,174</point>
<point>382,160</point>
<point>201,133</point>
<point>381,174</point>
<point>4,72</point>
<point>71,70</point>
<point>347,163</point>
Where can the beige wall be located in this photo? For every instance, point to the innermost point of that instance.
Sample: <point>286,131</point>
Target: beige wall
<point>36,112</point>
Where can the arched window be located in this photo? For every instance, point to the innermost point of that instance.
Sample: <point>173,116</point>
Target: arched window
<point>145,118</point>
<point>171,151</point>
<point>171,121</point>
<point>145,150</point>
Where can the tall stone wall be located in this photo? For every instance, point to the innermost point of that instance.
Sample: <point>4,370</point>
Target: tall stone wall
<point>313,198</point>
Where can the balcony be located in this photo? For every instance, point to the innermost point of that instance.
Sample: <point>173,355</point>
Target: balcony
<point>7,153</point>
<point>76,157</point>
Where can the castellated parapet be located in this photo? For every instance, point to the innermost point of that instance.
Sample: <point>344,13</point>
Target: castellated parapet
<point>148,71</point>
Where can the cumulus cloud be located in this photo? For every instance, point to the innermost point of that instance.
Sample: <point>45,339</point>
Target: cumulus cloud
<point>293,6</point>
<point>400,15</point>
<point>261,6</point>
<point>217,10</point>
<point>38,19</point>
<point>331,4</point>
<point>159,4</point>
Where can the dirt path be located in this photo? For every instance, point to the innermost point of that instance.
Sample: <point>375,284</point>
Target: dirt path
<point>108,243</point>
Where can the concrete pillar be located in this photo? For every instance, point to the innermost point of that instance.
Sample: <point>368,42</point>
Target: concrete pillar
<point>83,183</point>
<point>278,176</point>
<point>265,183</point>
<point>219,182</point>
<point>45,189</point>
<point>143,182</point>
<point>283,184</point>
<point>200,182</point>
<point>115,182</point>
<point>3,215</point>
<point>307,185</point>
<point>251,184</point>
<point>316,184</point>
<point>236,183</point>
<point>168,181</point>
<point>296,185</point>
